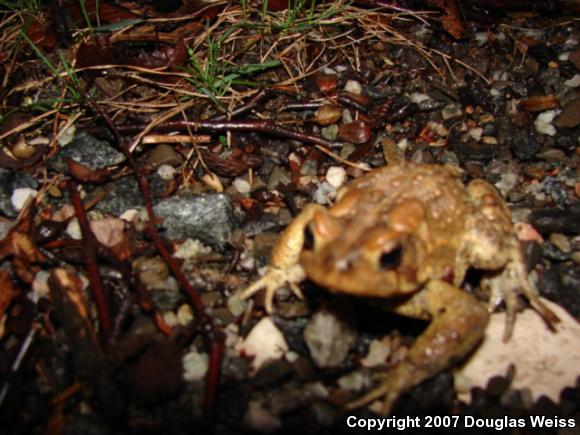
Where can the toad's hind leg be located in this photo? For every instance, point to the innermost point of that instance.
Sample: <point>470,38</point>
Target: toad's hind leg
<point>493,245</point>
<point>459,321</point>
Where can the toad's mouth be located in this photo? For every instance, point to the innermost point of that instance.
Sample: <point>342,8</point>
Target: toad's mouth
<point>358,278</point>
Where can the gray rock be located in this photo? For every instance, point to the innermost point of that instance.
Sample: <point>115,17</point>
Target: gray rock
<point>88,151</point>
<point>124,193</point>
<point>11,180</point>
<point>209,218</point>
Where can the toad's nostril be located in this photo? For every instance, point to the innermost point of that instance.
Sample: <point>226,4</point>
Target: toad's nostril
<point>392,259</point>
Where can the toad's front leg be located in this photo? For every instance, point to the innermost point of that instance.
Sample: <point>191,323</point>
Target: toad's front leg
<point>284,267</point>
<point>458,324</point>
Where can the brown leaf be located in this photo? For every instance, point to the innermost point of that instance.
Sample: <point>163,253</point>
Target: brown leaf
<point>236,164</point>
<point>539,103</point>
<point>451,21</point>
<point>326,83</point>
<point>87,175</point>
<point>355,132</point>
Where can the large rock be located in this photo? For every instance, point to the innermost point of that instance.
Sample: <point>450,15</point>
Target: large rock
<point>209,218</point>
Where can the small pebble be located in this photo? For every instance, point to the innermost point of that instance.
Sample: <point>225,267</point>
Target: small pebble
<point>561,242</point>
<point>20,196</point>
<point>242,186</point>
<point>353,87</point>
<point>40,287</point>
<point>166,172</point>
<point>264,343</point>
<point>543,122</point>
<point>574,82</point>
<point>195,366</point>
<point>451,111</point>
<point>184,315</point>
<point>329,336</point>
<point>336,176</point>
<point>191,248</point>
<point>324,193</point>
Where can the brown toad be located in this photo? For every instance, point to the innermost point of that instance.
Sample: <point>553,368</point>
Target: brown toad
<point>409,233</point>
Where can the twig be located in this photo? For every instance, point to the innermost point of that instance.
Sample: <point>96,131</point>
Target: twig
<point>90,246</point>
<point>259,126</point>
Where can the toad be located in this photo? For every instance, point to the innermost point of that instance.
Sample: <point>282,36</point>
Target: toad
<point>406,235</point>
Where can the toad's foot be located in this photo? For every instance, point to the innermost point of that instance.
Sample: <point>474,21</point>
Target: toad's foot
<point>273,279</point>
<point>506,285</point>
<point>459,321</point>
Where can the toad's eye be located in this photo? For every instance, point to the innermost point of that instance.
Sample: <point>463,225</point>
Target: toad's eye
<point>392,259</point>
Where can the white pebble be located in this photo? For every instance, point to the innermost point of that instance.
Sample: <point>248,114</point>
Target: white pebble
<point>194,366</point>
<point>129,215</point>
<point>66,136</point>
<point>170,319</point>
<point>475,133</point>
<point>324,193</point>
<point>264,343</point>
<point>21,195</point>
<point>39,286</point>
<point>543,122</point>
<point>346,116</point>
<point>336,176</point>
<point>403,144</point>
<point>418,97</point>
<point>574,82</point>
<point>235,305</point>
<point>481,38</point>
<point>166,172</point>
<point>353,87</point>
<point>73,229</point>
<point>242,186</point>
<point>191,248</point>
<point>184,315</point>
